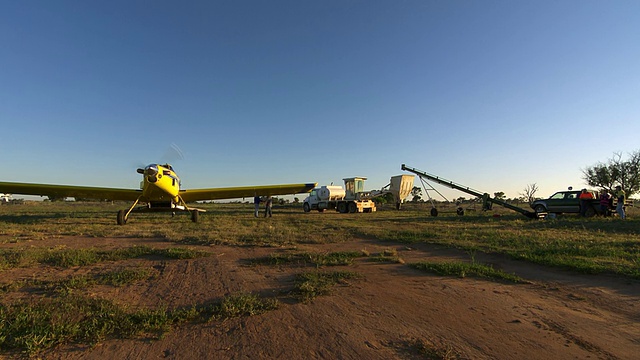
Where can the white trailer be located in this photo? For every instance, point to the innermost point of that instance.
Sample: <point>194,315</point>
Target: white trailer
<point>352,198</point>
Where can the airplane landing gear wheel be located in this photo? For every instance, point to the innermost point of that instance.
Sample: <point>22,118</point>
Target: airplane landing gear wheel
<point>434,212</point>
<point>121,218</point>
<point>460,211</point>
<point>194,216</point>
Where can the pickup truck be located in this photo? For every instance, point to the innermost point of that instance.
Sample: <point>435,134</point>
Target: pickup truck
<point>566,202</point>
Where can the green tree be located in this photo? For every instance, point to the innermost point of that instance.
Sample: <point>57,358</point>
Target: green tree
<point>498,195</point>
<point>386,198</point>
<point>616,171</point>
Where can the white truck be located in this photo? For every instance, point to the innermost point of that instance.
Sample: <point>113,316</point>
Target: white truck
<point>352,198</point>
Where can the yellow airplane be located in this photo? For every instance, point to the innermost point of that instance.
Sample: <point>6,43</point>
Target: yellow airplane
<point>159,191</point>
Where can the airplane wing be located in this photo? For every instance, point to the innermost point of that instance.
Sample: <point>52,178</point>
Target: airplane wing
<point>243,191</point>
<point>60,191</point>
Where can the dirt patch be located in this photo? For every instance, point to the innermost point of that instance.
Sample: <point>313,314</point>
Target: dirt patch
<point>392,311</point>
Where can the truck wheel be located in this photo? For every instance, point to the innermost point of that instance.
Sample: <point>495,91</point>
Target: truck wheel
<point>342,208</point>
<point>540,209</point>
<point>591,211</point>
<point>352,207</point>
<point>306,207</point>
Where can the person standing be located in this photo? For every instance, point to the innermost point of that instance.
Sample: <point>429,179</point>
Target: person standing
<point>256,203</point>
<point>621,197</point>
<point>585,196</point>
<point>267,206</point>
<point>605,201</point>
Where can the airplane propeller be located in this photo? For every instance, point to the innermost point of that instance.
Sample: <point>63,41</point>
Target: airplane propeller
<point>173,154</point>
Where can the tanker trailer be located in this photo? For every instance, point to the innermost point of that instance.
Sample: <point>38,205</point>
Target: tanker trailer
<point>324,197</point>
<point>353,198</point>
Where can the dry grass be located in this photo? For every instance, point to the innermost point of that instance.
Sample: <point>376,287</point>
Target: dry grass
<point>592,245</point>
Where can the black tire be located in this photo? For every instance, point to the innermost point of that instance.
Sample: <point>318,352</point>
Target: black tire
<point>121,219</point>
<point>306,207</point>
<point>540,209</point>
<point>353,207</point>
<point>434,212</point>
<point>195,215</point>
<point>460,211</point>
<point>342,208</point>
<point>591,211</point>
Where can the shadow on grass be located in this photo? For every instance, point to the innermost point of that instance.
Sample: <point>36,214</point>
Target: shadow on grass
<point>565,222</point>
<point>31,219</point>
<point>474,219</point>
<point>595,224</point>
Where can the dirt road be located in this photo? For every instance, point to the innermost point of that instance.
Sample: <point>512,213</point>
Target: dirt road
<point>391,312</point>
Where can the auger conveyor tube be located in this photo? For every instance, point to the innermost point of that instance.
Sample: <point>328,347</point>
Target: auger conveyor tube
<point>484,196</point>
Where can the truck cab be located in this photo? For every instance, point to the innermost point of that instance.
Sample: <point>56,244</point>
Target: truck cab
<point>353,186</point>
<point>562,202</point>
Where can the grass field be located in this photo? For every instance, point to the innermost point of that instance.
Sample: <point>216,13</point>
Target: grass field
<point>591,245</point>
<point>585,245</point>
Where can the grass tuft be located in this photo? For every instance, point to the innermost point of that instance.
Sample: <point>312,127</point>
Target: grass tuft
<point>313,284</point>
<point>318,259</point>
<point>243,305</point>
<point>432,351</point>
<point>48,322</point>
<point>463,269</point>
<point>38,325</point>
<point>124,277</point>
<point>81,257</point>
<point>388,256</point>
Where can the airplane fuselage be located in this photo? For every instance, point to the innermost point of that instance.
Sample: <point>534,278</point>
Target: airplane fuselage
<point>160,191</point>
<point>160,183</point>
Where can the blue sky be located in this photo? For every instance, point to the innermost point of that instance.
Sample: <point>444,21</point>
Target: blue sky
<point>491,94</point>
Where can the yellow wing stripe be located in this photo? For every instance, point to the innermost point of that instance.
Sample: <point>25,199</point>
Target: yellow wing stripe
<point>245,191</point>
<point>59,191</point>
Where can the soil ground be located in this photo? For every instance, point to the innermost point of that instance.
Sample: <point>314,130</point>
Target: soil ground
<point>392,312</point>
